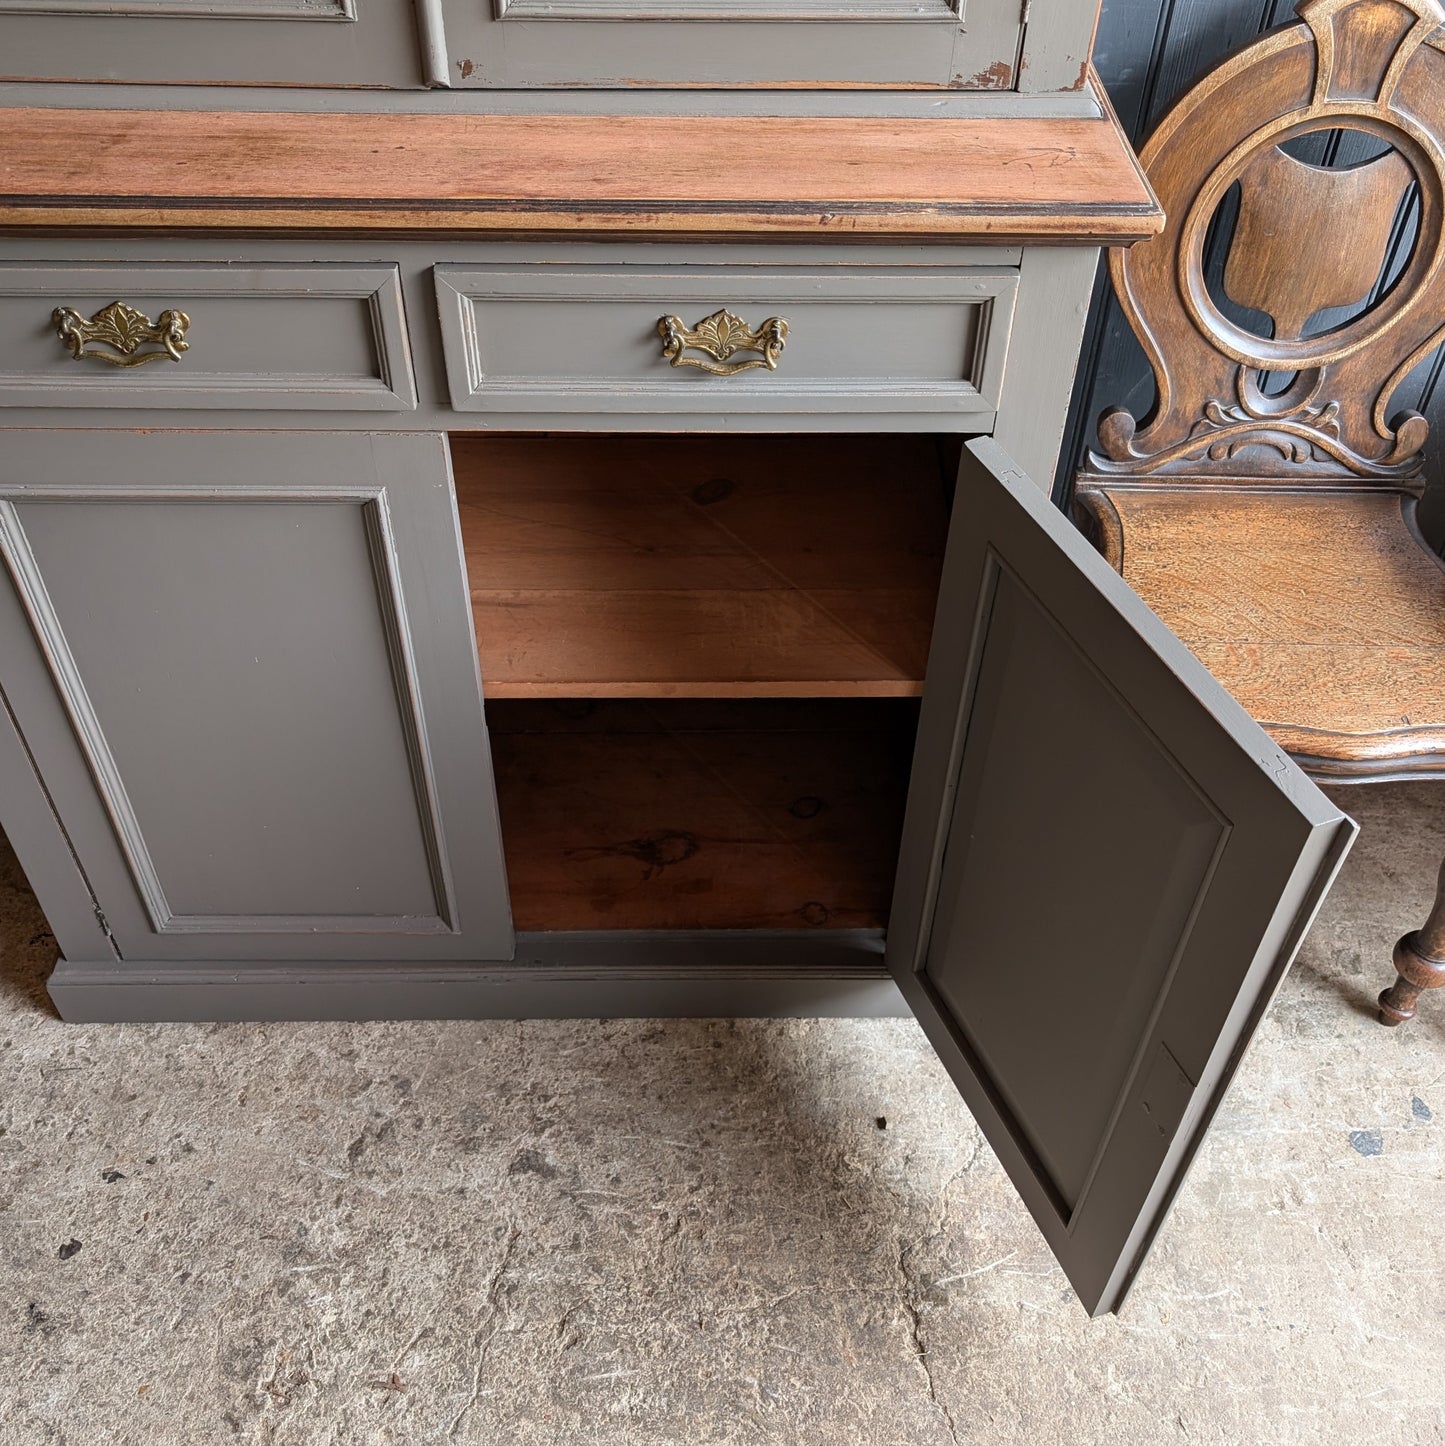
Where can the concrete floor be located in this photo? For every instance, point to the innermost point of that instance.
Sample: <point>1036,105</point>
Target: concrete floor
<point>702,1232</point>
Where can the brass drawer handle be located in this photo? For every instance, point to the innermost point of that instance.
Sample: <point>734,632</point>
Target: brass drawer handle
<point>126,330</point>
<point>721,335</point>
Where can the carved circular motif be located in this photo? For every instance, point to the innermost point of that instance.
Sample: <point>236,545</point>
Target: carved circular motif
<point>1424,158</point>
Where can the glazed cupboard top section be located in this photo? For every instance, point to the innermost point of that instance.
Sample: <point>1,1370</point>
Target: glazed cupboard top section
<point>1026,46</point>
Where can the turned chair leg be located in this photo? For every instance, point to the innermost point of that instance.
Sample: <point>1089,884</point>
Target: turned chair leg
<point>1419,963</point>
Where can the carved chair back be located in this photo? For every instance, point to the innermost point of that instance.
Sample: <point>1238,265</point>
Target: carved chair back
<point>1293,401</point>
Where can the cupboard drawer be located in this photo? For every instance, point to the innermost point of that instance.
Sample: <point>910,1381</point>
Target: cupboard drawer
<point>589,340</point>
<point>315,337</point>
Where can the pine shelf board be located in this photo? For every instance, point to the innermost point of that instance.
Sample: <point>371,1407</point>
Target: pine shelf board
<point>615,567</point>
<point>721,815</point>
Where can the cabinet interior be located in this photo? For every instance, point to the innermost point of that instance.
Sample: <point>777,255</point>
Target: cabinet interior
<point>702,657</point>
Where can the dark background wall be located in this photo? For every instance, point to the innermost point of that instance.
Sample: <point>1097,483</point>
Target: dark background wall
<point>1148,53</point>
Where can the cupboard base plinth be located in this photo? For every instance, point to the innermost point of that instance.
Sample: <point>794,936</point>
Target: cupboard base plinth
<point>757,974</point>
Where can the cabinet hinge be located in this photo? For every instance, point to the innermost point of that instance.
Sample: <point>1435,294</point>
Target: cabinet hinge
<point>104,925</point>
<point>1024,13</point>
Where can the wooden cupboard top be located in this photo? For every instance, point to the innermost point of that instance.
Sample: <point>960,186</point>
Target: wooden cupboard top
<point>1065,180</point>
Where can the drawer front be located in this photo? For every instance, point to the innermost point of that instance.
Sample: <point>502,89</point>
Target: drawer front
<point>589,340</point>
<point>249,42</point>
<point>316,337</point>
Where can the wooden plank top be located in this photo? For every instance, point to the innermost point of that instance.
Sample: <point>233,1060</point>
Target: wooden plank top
<point>1071,180</point>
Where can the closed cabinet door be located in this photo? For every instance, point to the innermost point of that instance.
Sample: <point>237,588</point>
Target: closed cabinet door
<point>633,44</point>
<point>1107,868</point>
<point>369,43</point>
<point>242,665</point>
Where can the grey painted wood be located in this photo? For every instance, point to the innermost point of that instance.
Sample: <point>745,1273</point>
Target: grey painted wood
<point>258,42</point>
<point>431,36</point>
<point>862,340</point>
<point>629,44</point>
<point>260,647</point>
<point>1090,933</point>
<point>319,336</point>
<point>44,851</point>
<point>959,104</point>
<point>555,976</point>
<point>1058,38</point>
<point>1053,305</point>
<point>416,261</point>
<point>257,47</point>
<point>220,9</point>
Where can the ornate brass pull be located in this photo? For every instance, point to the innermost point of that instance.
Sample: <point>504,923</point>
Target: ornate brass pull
<point>721,335</point>
<point>126,330</point>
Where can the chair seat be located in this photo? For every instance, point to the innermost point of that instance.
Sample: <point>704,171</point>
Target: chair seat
<point>1322,611</point>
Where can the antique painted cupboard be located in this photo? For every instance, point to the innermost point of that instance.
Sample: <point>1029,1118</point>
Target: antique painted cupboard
<point>613,362</point>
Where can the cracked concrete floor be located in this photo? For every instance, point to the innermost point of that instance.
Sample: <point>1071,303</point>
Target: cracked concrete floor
<point>701,1232</point>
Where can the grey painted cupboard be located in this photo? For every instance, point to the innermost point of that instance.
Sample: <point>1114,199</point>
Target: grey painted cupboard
<point>930,45</point>
<point>505,552</point>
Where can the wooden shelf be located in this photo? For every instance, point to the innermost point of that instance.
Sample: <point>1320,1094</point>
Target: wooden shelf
<point>693,567</point>
<point>718,815</point>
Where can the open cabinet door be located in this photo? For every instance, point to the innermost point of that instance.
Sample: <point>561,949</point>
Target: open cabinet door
<point>1107,868</point>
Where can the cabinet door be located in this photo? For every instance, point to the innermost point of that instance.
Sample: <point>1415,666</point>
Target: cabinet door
<point>242,665</point>
<point>1107,868</point>
<point>369,43</point>
<point>635,44</point>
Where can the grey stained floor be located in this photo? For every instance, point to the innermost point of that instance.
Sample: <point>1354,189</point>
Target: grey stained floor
<point>701,1232</point>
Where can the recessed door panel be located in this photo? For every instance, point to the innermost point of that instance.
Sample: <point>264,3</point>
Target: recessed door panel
<point>240,42</point>
<point>734,44</point>
<point>1092,923</point>
<point>272,742</point>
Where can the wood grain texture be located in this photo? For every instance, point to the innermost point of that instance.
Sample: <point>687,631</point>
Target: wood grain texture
<point>702,566</point>
<point>1276,533</point>
<point>1068,180</point>
<point>633,815</point>
<point>1419,961</point>
<point>1274,529</point>
<point>1301,247</point>
<point>1146,54</point>
<point>1320,611</point>
<point>1285,204</point>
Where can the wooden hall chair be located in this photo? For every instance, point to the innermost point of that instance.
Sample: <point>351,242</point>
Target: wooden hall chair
<point>1265,509</point>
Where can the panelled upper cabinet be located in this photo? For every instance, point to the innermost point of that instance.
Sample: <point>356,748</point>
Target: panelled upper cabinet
<point>243,664</point>
<point>958,45</point>
<point>953,44</point>
<point>1107,867</point>
<point>349,43</point>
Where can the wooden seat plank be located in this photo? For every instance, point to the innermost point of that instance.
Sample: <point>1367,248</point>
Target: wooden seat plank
<point>1320,611</point>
